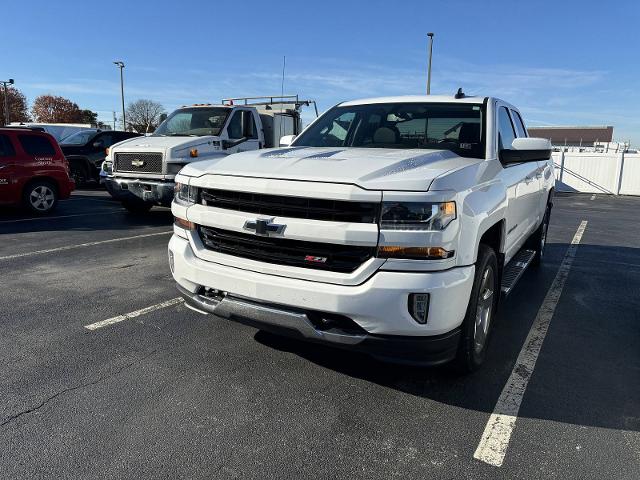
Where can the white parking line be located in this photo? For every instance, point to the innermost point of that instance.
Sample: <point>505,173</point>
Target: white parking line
<point>137,313</point>
<point>95,212</point>
<point>80,245</point>
<point>497,433</point>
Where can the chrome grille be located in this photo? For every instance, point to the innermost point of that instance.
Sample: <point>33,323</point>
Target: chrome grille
<point>138,162</point>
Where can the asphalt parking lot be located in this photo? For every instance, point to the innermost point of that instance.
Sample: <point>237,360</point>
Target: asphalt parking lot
<point>170,393</point>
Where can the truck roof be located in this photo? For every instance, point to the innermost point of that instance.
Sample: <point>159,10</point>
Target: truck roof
<point>204,105</point>
<point>415,99</point>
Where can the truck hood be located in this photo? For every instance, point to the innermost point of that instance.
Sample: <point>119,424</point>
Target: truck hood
<point>159,143</point>
<point>369,168</point>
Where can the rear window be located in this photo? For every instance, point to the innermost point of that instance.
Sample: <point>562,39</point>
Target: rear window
<point>36,145</point>
<point>6,148</point>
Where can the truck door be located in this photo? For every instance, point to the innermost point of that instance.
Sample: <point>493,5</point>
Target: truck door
<point>242,126</point>
<point>544,172</point>
<point>523,191</point>
<point>8,169</point>
<point>521,131</point>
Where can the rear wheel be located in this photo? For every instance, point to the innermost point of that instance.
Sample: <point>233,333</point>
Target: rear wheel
<point>538,240</point>
<point>137,207</point>
<point>40,197</point>
<point>478,321</point>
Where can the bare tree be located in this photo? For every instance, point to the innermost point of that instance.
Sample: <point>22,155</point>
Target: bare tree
<point>18,111</point>
<point>144,115</point>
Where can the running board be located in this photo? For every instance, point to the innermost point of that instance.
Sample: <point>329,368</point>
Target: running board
<point>515,268</point>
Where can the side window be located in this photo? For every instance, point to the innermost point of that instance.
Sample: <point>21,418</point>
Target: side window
<point>6,147</point>
<point>235,125</point>
<point>36,145</point>
<point>520,130</point>
<point>249,125</point>
<point>506,133</point>
<point>107,139</point>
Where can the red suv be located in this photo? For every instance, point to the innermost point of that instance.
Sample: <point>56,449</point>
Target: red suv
<point>33,170</point>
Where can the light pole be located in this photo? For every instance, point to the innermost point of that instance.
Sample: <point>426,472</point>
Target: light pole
<point>6,99</point>
<point>430,35</point>
<point>120,65</point>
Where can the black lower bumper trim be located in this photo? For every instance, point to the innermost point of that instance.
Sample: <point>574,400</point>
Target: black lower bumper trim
<point>409,350</point>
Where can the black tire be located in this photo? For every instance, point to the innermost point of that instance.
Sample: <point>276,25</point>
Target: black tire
<point>40,197</point>
<point>478,322</point>
<point>79,172</point>
<point>137,207</point>
<point>538,240</point>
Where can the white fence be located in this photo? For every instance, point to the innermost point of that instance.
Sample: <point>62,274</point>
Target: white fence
<point>608,173</point>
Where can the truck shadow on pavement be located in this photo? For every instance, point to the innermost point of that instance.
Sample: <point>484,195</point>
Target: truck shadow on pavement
<point>588,372</point>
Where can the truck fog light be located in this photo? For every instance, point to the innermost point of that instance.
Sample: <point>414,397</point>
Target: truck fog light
<point>419,307</point>
<point>171,262</point>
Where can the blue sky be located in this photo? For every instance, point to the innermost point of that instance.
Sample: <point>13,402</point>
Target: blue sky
<point>561,62</point>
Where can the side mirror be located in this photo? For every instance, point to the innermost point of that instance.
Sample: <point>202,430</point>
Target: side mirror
<point>527,150</point>
<point>287,140</point>
<point>163,117</point>
<point>232,143</point>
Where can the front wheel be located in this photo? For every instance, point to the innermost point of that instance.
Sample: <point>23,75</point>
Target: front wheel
<point>40,197</point>
<point>478,321</point>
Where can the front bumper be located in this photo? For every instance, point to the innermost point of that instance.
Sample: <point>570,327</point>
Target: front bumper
<point>151,191</point>
<point>377,308</point>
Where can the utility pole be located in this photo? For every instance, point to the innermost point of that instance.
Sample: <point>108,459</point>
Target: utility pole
<point>120,65</point>
<point>430,35</point>
<point>6,99</point>
<point>114,120</point>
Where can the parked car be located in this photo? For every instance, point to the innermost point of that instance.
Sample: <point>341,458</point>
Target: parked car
<point>389,225</point>
<point>59,131</point>
<point>33,170</point>
<point>86,150</point>
<point>142,171</point>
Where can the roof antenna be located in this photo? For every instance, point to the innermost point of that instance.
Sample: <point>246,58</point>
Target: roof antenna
<point>459,94</point>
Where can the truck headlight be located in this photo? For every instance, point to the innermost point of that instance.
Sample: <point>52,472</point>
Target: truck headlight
<point>417,215</point>
<point>107,167</point>
<point>185,195</point>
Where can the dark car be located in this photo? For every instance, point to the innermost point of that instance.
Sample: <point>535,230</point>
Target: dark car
<point>33,170</point>
<point>86,150</point>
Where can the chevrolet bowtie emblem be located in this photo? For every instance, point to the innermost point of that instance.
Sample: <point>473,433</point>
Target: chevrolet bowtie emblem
<point>137,162</point>
<point>264,227</point>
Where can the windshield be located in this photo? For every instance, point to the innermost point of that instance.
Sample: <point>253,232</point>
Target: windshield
<point>197,121</point>
<point>453,126</point>
<point>79,138</point>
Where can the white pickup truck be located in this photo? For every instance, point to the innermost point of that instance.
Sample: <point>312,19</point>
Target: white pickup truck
<point>140,172</point>
<point>389,225</point>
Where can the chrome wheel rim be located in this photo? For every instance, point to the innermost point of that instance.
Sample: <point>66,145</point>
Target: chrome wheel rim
<point>484,311</point>
<point>41,198</point>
